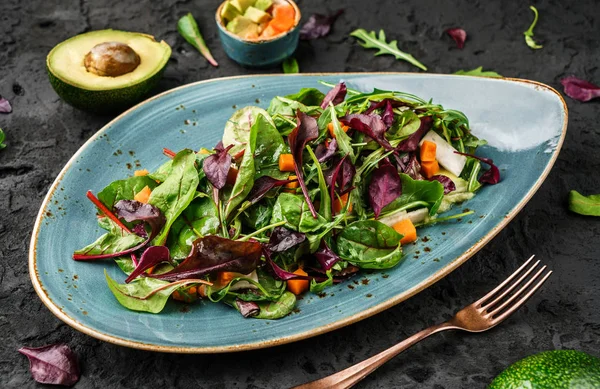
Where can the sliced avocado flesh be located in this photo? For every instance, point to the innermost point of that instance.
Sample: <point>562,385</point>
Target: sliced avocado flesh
<point>242,5</point>
<point>86,90</point>
<point>256,15</point>
<point>263,5</point>
<point>229,12</point>
<point>239,24</point>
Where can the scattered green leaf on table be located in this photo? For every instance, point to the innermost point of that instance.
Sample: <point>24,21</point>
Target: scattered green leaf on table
<point>478,72</point>
<point>584,205</point>
<point>371,41</point>
<point>2,137</point>
<point>188,28</point>
<point>290,65</point>
<point>529,33</point>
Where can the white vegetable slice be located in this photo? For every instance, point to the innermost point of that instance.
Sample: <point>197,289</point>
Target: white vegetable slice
<point>445,153</point>
<point>415,216</point>
<point>245,284</point>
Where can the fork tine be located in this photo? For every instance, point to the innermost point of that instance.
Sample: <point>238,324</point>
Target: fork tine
<point>517,293</point>
<point>493,292</point>
<point>516,283</point>
<point>522,301</point>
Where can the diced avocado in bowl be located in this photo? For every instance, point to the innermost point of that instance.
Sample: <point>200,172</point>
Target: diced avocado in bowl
<point>107,70</point>
<point>271,18</point>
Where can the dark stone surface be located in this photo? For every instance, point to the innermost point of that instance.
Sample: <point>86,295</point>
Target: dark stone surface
<point>43,133</point>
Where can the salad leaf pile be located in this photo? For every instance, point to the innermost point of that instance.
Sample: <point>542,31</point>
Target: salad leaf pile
<point>295,198</point>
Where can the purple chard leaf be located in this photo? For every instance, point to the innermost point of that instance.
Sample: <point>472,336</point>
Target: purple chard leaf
<point>324,153</point>
<point>326,256</point>
<point>55,364</point>
<point>281,274</point>
<point>459,35</point>
<point>263,185</point>
<point>448,184</point>
<point>247,308</point>
<point>370,125</point>
<point>151,257</point>
<point>306,130</point>
<point>5,106</point>
<point>335,95</point>
<point>409,164</point>
<point>580,90</point>
<point>132,210</point>
<point>282,239</point>
<point>212,254</point>
<point>492,175</point>
<point>318,25</point>
<point>412,142</point>
<point>385,186</point>
<point>216,166</point>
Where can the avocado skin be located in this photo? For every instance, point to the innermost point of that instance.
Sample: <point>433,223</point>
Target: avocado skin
<point>104,101</point>
<point>557,369</point>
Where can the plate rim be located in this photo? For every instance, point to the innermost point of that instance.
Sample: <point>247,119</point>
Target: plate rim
<point>432,279</point>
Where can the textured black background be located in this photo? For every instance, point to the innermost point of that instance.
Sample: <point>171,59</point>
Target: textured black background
<point>43,132</point>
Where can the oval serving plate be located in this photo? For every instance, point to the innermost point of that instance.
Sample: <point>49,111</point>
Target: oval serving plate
<point>525,123</point>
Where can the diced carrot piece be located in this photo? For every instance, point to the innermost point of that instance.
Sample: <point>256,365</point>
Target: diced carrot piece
<point>225,277</point>
<point>298,286</point>
<point>427,151</point>
<point>204,151</point>
<point>177,296</point>
<point>232,176</point>
<point>407,229</point>
<point>140,173</point>
<point>284,17</point>
<point>150,269</point>
<point>330,128</point>
<point>270,32</point>
<point>292,185</point>
<point>340,203</point>
<point>143,195</point>
<point>286,162</point>
<point>193,290</point>
<point>430,168</point>
<point>202,290</point>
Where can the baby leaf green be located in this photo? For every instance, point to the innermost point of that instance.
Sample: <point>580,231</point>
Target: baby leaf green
<point>2,136</point>
<point>124,190</point>
<point>371,41</point>
<point>177,192</point>
<point>290,65</point>
<point>478,72</point>
<point>529,33</point>
<point>272,310</point>
<point>114,241</point>
<point>188,28</point>
<point>584,205</point>
<point>144,294</point>
<point>430,193</point>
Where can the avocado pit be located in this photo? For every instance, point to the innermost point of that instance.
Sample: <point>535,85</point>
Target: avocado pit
<point>111,59</point>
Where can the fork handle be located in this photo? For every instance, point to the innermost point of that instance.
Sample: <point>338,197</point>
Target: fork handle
<point>355,373</point>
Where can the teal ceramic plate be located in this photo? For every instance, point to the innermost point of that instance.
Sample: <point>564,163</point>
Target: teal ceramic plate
<point>525,123</point>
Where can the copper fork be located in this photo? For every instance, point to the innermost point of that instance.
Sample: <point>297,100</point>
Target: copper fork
<point>483,314</point>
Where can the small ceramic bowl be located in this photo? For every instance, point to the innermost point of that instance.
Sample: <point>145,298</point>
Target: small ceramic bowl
<point>260,52</point>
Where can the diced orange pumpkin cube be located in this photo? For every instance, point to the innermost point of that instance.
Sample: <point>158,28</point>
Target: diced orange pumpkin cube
<point>298,286</point>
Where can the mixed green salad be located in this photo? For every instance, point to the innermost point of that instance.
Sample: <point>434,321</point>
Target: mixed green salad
<point>295,198</point>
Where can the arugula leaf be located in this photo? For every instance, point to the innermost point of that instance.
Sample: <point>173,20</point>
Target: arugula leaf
<point>2,136</point>
<point>188,28</point>
<point>343,140</point>
<point>371,41</point>
<point>277,309</point>
<point>174,195</point>
<point>478,72</point>
<point>529,33</point>
<point>429,193</point>
<point>325,197</point>
<point>370,244</point>
<point>584,205</point>
<point>259,215</point>
<point>290,65</point>
<point>200,218</point>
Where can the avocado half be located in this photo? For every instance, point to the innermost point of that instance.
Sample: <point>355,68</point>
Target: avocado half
<point>91,71</point>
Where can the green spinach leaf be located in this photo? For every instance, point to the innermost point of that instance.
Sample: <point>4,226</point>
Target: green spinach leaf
<point>478,72</point>
<point>294,210</point>
<point>290,65</point>
<point>124,190</point>
<point>308,96</point>
<point>114,241</point>
<point>277,309</point>
<point>174,195</point>
<point>318,287</point>
<point>370,244</point>
<point>430,193</point>
<point>143,294</point>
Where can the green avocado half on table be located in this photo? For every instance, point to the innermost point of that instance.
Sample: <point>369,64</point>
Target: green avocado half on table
<point>107,70</point>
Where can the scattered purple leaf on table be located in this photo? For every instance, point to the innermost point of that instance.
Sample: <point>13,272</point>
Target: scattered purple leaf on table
<point>579,89</point>
<point>318,25</point>
<point>5,106</point>
<point>459,35</point>
<point>53,364</point>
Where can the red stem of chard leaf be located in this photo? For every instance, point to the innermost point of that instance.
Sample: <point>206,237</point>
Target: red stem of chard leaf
<point>106,211</point>
<point>169,153</point>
